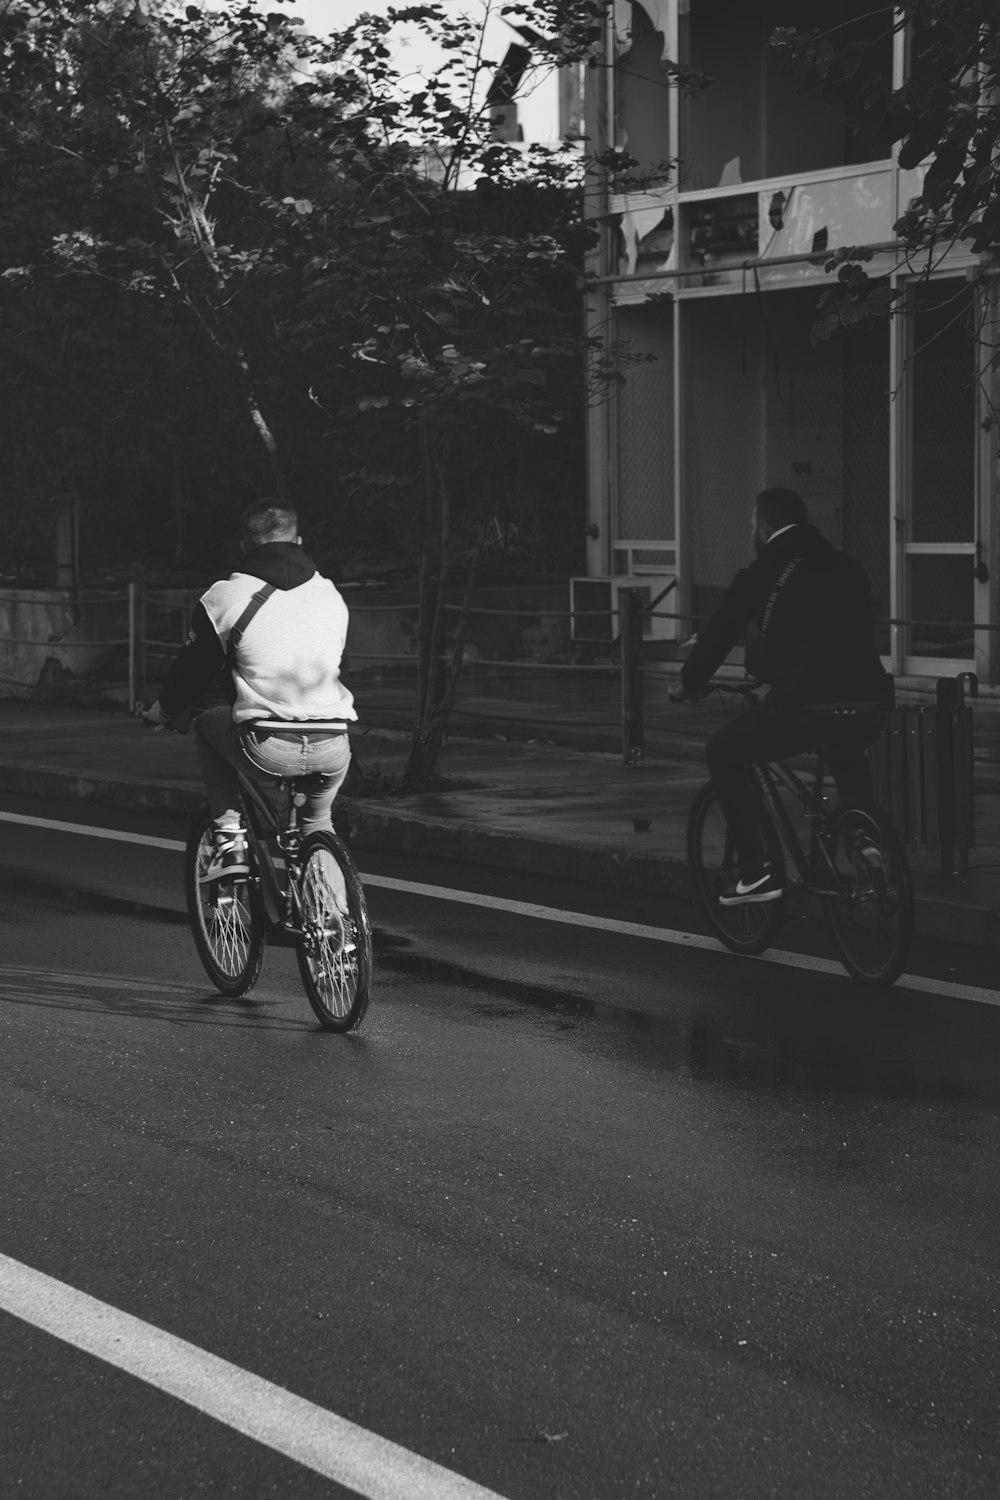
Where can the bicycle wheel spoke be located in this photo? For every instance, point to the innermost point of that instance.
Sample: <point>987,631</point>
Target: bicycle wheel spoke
<point>335,948</point>
<point>228,927</point>
<point>871,918</point>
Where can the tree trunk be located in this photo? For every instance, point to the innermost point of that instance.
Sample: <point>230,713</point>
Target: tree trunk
<point>436,723</point>
<point>426,742</point>
<point>203,234</point>
<point>425,605</point>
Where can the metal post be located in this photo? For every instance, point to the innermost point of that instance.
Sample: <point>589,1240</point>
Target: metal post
<point>136,640</point>
<point>630,634</point>
<point>965,771</point>
<point>947,692</point>
<point>133,696</point>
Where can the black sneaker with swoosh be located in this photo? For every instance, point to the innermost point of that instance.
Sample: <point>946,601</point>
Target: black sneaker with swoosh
<point>755,886</point>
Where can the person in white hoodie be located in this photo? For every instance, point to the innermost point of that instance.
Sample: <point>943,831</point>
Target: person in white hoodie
<point>276,631</point>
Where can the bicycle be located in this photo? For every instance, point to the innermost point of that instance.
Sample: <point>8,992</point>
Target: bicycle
<point>301,892</point>
<point>855,864</point>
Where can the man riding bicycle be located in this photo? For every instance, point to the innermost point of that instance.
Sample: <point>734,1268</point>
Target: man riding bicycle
<point>279,627</point>
<point>809,613</point>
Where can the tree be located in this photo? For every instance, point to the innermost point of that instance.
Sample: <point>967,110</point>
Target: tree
<point>223,227</point>
<point>467,343</point>
<point>122,304</point>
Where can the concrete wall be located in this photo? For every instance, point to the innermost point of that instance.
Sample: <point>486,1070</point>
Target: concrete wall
<point>48,637</point>
<point>53,645</point>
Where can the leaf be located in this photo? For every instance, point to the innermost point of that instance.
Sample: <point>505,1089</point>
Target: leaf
<point>854,312</point>
<point>913,150</point>
<point>880,300</point>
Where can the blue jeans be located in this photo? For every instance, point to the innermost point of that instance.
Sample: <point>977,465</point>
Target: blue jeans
<point>223,747</point>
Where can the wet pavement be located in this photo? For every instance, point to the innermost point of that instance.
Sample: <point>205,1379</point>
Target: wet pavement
<point>515,800</point>
<point>634,1220</point>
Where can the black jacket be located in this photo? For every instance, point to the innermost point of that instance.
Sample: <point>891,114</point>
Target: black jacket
<point>808,609</point>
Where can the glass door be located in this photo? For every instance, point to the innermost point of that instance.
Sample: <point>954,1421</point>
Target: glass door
<point>940,596</point>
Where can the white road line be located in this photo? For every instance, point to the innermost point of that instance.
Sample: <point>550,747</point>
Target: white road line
<point>673,936</point>
<point>95,833</point>
<point>363,1462</point>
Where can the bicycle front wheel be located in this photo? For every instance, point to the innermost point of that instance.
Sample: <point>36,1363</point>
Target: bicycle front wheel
<point>871,919</point>
<point>713,865</point>
<point>227,918</point>
<point>335,949</point>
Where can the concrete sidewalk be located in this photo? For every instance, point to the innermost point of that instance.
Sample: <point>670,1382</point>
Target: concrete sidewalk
<point>518,805</point>
<point>581,708</point>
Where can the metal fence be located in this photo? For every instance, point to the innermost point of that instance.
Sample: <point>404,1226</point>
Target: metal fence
<point>924,773</point>
<point>51,637</point>
<point>924,769</point>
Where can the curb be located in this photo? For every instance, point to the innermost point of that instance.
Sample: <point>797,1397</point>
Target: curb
<point>122,793</point>
<point>372,827</point>
<point>469,843</point>
<point>661,744</point>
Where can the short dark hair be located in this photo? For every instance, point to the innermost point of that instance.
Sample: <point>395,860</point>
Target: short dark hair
<point>267,520</point>
<point>779,507</point>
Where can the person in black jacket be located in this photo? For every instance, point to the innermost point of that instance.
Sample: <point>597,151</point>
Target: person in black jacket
<point>808,611</point>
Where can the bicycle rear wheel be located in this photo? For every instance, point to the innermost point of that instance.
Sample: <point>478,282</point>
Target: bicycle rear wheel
<point>335,950</point>
<point>713,865</point>
<point>872,918</point>
<point>227,918</point>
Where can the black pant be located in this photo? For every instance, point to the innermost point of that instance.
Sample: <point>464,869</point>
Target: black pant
<point>764,733</point>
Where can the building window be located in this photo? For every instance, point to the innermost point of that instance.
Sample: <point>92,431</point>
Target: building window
<point>756,120</point>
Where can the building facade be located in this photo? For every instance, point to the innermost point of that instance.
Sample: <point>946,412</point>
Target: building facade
<point>709,273</point>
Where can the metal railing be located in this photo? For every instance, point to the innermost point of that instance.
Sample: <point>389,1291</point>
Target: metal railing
<point>923,765</point>
<point>42,626</point>
<point>923,768</point>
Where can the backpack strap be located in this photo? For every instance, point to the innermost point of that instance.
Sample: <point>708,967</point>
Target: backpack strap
<point>772,601</point>
<point>236,634</point>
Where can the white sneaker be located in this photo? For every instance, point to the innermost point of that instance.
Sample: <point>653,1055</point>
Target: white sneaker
<point>230,858</point>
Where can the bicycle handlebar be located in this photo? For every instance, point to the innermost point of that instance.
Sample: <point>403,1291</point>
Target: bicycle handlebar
<point>178,724</point>
<point>747,690</point>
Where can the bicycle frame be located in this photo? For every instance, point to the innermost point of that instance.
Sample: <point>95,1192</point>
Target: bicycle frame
<point>771,777</point>
<point>278,894</point>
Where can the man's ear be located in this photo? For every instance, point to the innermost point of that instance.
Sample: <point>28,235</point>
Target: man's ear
<point>298,541</point>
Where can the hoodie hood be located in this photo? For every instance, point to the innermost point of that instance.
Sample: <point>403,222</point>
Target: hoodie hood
<point>282,564</point>
<point>805,540</point>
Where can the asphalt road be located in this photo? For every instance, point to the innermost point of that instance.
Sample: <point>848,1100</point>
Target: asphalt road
<point>579,1214</point>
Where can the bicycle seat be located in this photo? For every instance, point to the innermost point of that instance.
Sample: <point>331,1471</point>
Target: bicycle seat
<point>311,782</point>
